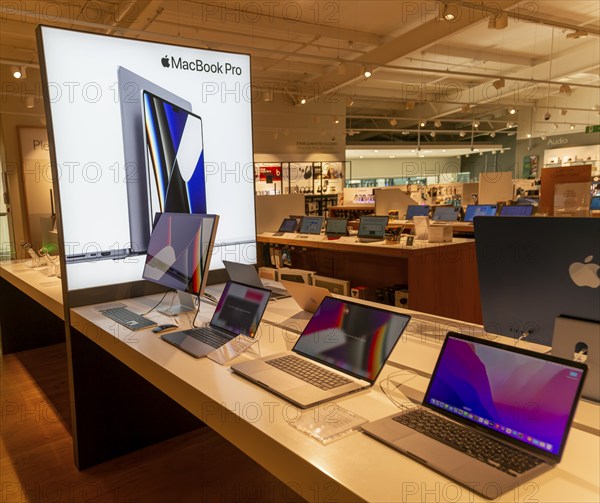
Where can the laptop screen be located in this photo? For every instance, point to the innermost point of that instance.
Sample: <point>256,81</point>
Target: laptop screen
<point>517,210</point>
<point>445,213</point>
<point>351,337</point>
<point>288,225</point>
<point>311,225</point>
<point>240,308</point>
<point>372,227</point>
<point>479,210</point>
<point>525,396</point>
<point>337,226</point>
<point>417,210</point>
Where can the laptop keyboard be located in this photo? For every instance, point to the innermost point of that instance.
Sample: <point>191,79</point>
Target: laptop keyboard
<point>479,446</point>
<point>308,372</point>
<point>127,318</point>
<point>208,336</point>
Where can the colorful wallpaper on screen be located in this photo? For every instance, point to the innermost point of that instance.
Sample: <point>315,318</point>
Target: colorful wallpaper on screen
<point>519,396</point>
<point>352,337</point>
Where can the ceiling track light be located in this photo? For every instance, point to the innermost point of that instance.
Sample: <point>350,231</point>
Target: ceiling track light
<point>499,84</point>
<point>393,122</point>
<point>512,110</point>
<point>498,22</point>
<point>493,134</point>
<point>563,111</point>
<point>367,72</point>
<point>437,124</point>
<point>572,126</point>
<point>423,123</point>
<point>432,134</point>
<point>476,123</point>
<point>462,134</point>
<point>447,14</point>
<point>577,34</point>
<point>565,89</point>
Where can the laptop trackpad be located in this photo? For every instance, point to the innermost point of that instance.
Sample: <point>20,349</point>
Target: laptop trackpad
<point>277,379</point>
<point>432,452</point>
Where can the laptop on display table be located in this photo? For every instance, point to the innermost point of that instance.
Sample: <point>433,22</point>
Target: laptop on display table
<point>493,415</point>
<point>417,210</point>
<point>517,210</point>
<point>445,213</point>
<point>480,210</point>
<point>372,228</point>
<point>236,319</point>
<point>342,350</point>
<point>288,225</point>
<point>308,297</point>
<point>336,228</point>
<point>247,274</point>
<point>311,225</point>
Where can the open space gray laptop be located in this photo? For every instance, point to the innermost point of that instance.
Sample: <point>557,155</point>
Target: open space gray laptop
<point>371,228</point>
<point>236,317</point>
<point>308,297</point>
<point>342,350</point>
<point>493,415</point>
<point>246,273</point>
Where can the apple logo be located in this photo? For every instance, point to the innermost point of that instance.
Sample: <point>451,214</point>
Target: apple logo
<point>585,273</point>
<point>165,61</point>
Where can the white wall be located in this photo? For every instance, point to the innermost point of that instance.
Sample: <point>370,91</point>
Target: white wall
<point>389,168</point>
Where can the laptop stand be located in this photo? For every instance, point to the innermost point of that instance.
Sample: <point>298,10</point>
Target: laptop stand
<point>233,349</point>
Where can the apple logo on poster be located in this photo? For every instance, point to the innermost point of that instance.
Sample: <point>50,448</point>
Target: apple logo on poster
<point>585,273</point>
<point>165,62</point>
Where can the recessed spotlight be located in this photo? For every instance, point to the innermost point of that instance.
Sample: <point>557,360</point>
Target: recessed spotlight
<point>376,151</point>
<point>572,126</point>
<point>336,120</point>
<point>512,110</point>
<point>476,123</point>
<point>528,135</point>
<point>392,156</point>
<point>423,123</point>
<point>393,122</point>
<point>18,71</point>
<point>302,100</point>
<point>367,73</point>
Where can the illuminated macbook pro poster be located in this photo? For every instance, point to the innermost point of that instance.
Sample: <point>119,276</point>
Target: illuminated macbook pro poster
<point>142,131</point>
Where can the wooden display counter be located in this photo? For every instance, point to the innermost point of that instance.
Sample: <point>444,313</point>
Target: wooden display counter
<point>441,277</point>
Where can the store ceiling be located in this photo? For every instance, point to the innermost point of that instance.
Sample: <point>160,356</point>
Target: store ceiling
<point>424,68</point>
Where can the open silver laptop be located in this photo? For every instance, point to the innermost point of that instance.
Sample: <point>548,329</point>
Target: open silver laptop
<point>308,297</point>
<point>493,416</point>
<point>372,228</point>
<point>246,273</point>
<point>341,351</point>
<point>235,320</point>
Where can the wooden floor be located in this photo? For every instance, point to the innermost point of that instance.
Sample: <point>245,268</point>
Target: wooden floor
<point>36,458</point>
